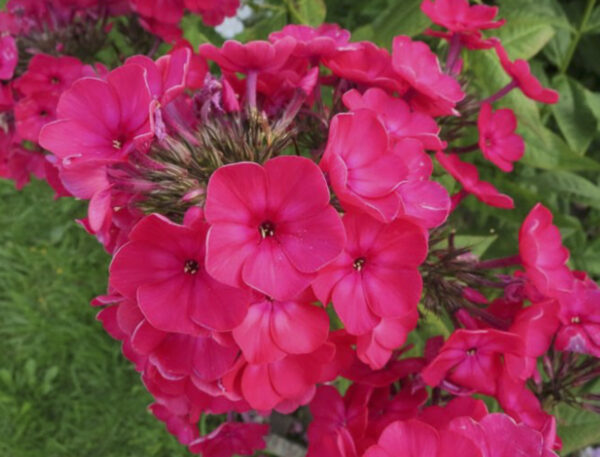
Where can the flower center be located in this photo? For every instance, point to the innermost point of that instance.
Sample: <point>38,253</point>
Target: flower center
<point>191,267</point>
<point>471,351</point>
<point>359,263</point>
<point>117,144</point>
<point>267,229</point>
<point>55,80</point>
<point>575,320</point>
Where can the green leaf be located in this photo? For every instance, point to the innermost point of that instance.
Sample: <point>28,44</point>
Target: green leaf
<point>546,150</point>
<point>269,20</point>
<point>403,17</point>
<point>528,28</point>
<point>577,428</point>
<point>573,115</point>
<point>310,12</point>
<point>565,182</point>
<point>593,24</point>
<point>477,244</point>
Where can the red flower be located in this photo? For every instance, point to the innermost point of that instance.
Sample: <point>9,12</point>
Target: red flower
<point>163,267</point>
<point>33,112</point>
<point>376,276</point>
<point>272,227</point>
<point>497,138</point>
<point>213,11</point>
<point>51,74</point>
<point>521,74</point>
<point>434,92</point>
<point>467,174</point>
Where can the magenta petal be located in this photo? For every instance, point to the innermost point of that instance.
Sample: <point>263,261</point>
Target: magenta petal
<point>166,304</point>
<point>254,335</point>
<point>350,303</point>
<point>146,338</point>
<point>217,306</point>
<point>67,138</point>
<point>257,388</point>
<point>415,438</point>
<point>297,188</point>
<point>237,193</point>
<point>392,292</point>
<point>140,263</point>
<point>132,90</point>
<point>270,271</point>
<point>299,328</point>
<point>227,247</point>
<point>312,242</point>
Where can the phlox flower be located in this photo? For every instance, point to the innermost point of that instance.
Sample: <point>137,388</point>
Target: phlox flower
<point>467,175</point>
<point>366,64</point>
<point>376,276</point>
<point>160,17</point>
<point>473,359</point>
<point>497,138</point>
<point>213,11</point>
<point>33,112</point>
<point>433,92</point>
<point>272,329</point>
<point>522,77</point>
<point>314,42</point>
<point>162,267</point>
<point>362,166</point>
<point>9,57</point>
<point>231,438</point>
<point>47,73</point>
<point>99,122</point>
<point>543,254</point>
<point>272,227</point>
<point>460,17</point>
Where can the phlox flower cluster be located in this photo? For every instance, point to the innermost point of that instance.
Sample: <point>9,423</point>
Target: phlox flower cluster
<point>276,229</point>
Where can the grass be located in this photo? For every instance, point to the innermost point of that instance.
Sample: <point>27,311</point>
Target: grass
<point>65,388</point>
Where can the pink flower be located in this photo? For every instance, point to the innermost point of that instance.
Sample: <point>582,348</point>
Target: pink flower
<point>467,174</point>
<point>160,17</point>
<point>167,76</point>
<point>254,56</point>
<point>337,421</point>
<point>376,347</point>
<point>364,63</point>
<point>418,439</point>
<point>522,77</point>
<point>361,165</point>
<point>497,138</point>
<point>460,17</point>
<point>376,276</point>
<point>399,120</point>
<point>579,317</point>
<point>473,359</point>
<point>9,57</point>
<point>272,227</point>
<point>284,384</point>
<point>231,438</point>
<point>433,92</point>
<point>163,267</point>
<point>86,139</point>
<point>51,74</point>
<point>273,329</point>
<point>542,253</point>
<point>33,112</point>
<point>213,12</point>
<point>316,42</point>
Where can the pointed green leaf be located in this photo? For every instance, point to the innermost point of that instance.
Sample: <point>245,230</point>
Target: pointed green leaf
<point>309,12</point>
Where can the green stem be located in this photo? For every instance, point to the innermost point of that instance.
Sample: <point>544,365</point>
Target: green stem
<point>575,41</point>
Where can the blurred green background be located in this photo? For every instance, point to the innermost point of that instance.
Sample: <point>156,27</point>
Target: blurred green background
<point>65,390</point>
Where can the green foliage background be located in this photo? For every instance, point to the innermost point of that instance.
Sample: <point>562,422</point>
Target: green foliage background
<point>65,390</point>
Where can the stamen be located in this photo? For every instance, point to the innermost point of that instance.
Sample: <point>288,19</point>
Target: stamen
<point>267,229</point>
<point>359,263</point>
<point>191,267</point>
<point>117,144</point>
